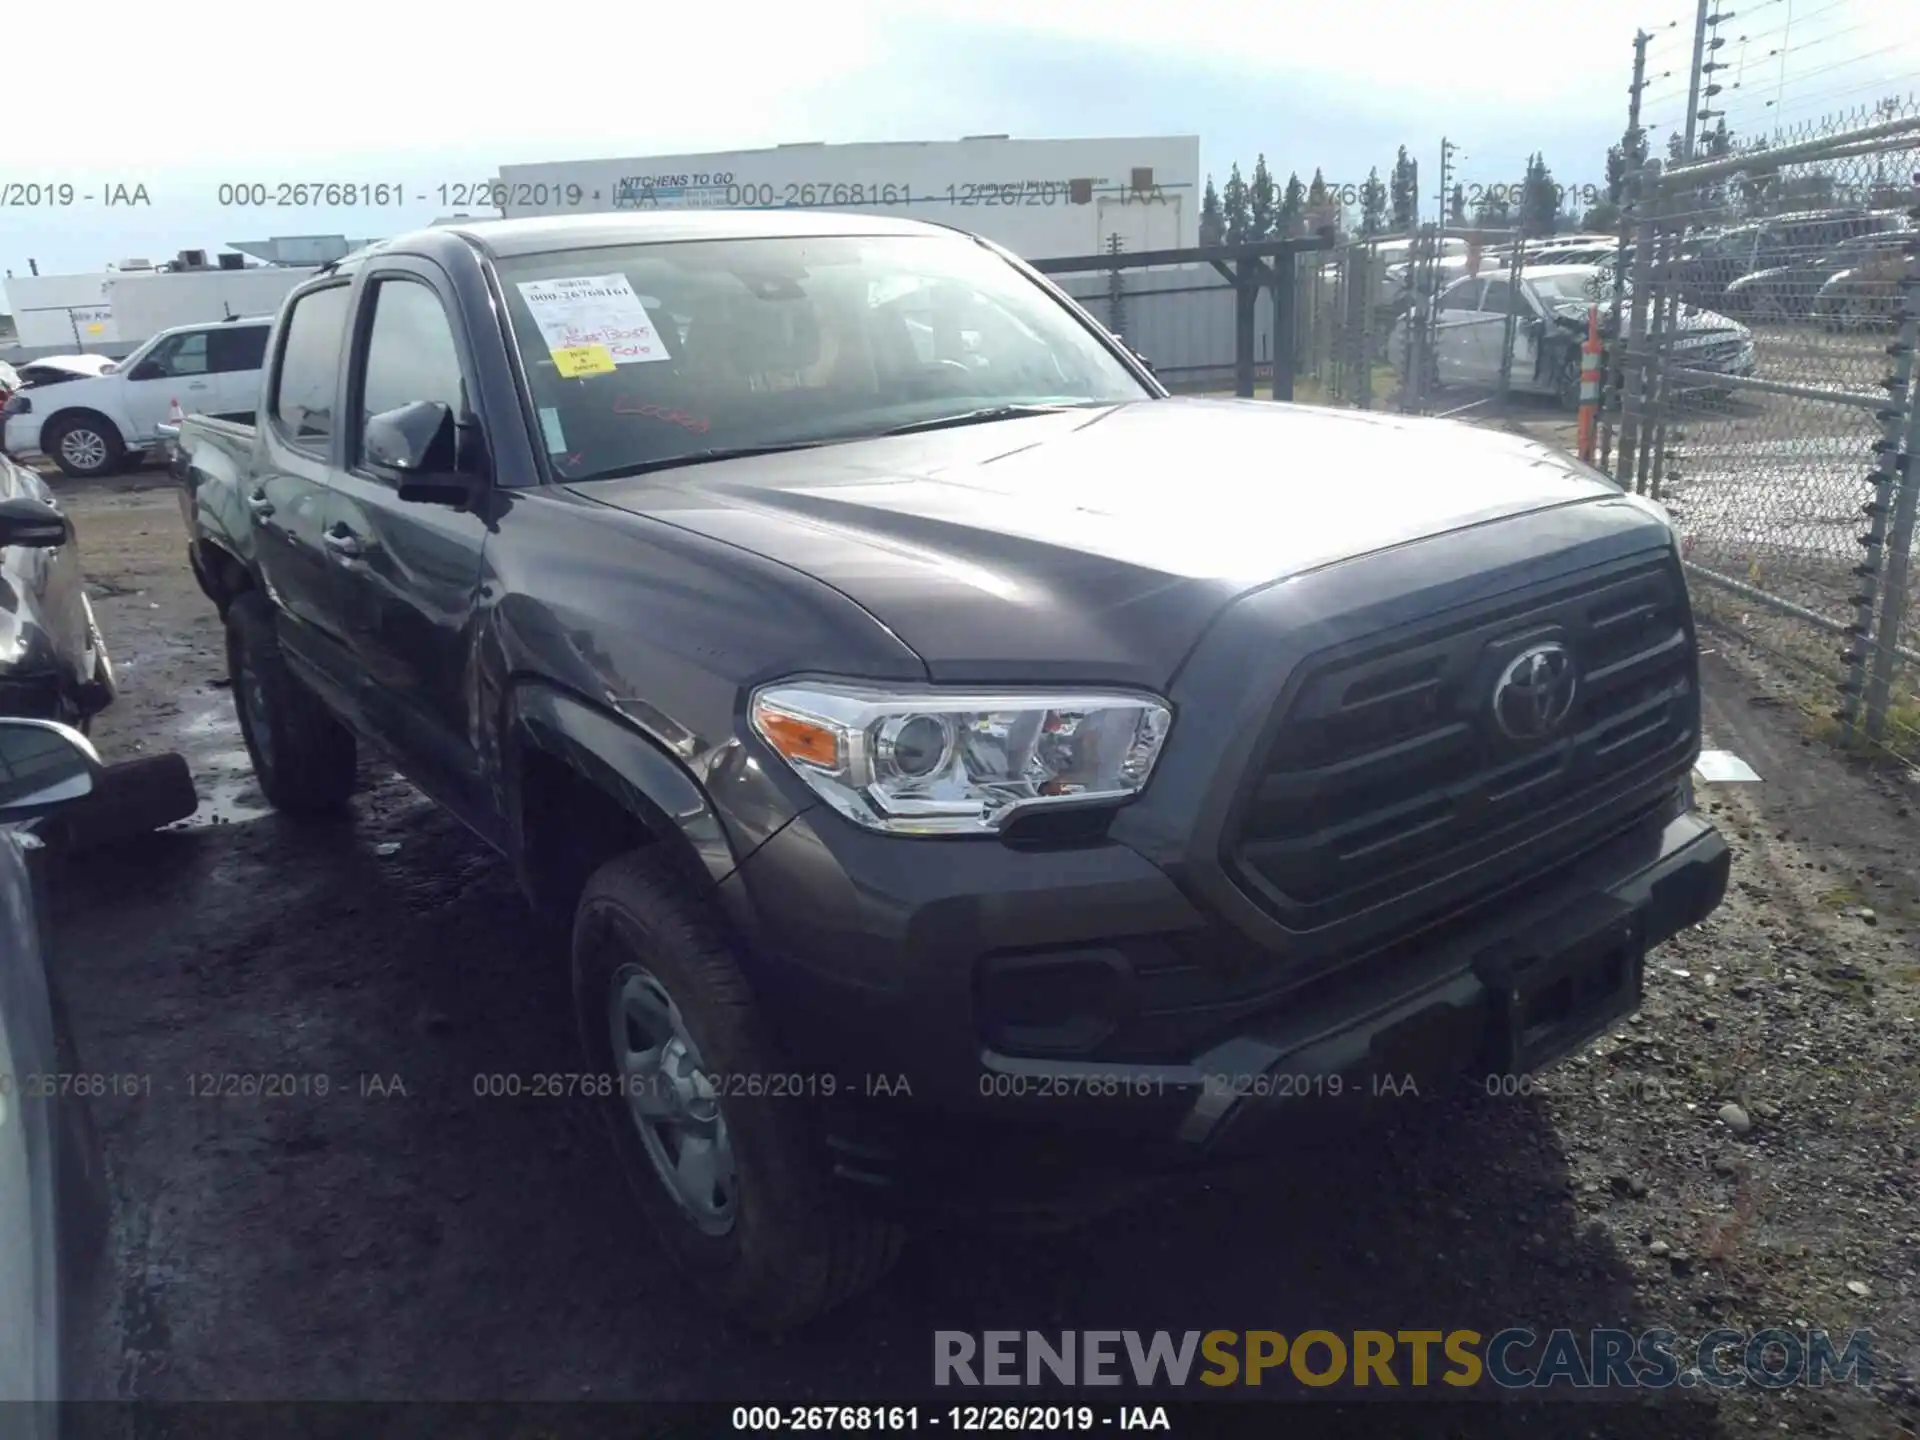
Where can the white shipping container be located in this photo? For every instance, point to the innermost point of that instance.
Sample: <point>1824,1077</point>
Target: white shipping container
<point>1040,198</point>
<point>146,302</point>
<point>61,311</point>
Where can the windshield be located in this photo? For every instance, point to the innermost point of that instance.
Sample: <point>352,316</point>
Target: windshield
<point>1585,288</point>
<point>641,355</point>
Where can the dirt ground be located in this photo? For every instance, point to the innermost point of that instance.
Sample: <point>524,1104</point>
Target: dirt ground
<point>408,1239</point>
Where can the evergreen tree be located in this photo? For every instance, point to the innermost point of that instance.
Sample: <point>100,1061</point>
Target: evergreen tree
<point>1317,192</point>
<point>1237,206</point>
<point>1405,193</point>
<point>1494,211</point>
<point>1373,204</point>
<point>1293,205</point>
<point>1213,224</point>
<point>1603,218</point>
<point>1539,199</point>
<point>1261,202</point>
<point>1457,205</point>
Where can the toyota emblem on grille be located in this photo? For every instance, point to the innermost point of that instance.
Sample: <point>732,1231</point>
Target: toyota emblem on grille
<point>1535,692</point>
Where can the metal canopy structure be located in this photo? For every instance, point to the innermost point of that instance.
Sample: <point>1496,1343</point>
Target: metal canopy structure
<point>1249,268</point>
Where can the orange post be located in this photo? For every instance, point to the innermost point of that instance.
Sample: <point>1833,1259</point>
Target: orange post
<point>1590,384</point>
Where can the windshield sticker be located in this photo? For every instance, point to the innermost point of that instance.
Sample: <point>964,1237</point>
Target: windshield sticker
<point>577,360</point>
<point>594,310</point>
<point>550,425</point>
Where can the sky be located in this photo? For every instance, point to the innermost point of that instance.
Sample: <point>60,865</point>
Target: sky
<point>400,91</point>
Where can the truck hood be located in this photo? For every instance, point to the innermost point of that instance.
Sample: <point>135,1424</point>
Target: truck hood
<point>1098,544</point>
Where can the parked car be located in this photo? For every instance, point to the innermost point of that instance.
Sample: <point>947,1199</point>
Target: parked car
<point>90,425</point>
<point>53,663</point>
<point>1470,325</point>
<point>52,369</point>
<point>1789,291</point>
<point>53,1199</point>
<point>934,756</point>
<point>1711,263</point>
<point>48,371</point>
<point>1866,294</point>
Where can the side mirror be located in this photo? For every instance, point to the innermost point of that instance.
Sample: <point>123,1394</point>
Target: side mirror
<point>32,524</point>
<point>420,443</point>
<point>44,766</point>
<point>146,370</point>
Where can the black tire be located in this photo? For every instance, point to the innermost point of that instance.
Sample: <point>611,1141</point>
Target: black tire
<point>1566,381</point>
<point>793,1249</point>
<point>303,758</point>
<point>95,445</point>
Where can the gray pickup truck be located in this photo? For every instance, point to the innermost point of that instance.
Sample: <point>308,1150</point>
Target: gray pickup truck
<point>933,737</point>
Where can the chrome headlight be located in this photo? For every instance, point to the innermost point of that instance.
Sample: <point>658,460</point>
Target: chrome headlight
<point>959,762</point>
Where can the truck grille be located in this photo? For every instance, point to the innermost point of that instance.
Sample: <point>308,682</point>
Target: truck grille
<point>1387,774</point>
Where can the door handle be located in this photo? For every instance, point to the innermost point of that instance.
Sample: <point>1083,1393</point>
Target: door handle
<point>260,504</point>
<point>198,385</point>
<point>344,543</point>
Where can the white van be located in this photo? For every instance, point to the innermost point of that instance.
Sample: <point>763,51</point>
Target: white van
<point>89,425</point>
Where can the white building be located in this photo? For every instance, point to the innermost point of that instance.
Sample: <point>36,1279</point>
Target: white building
<point>115,309</point>
<point>1040,198</point>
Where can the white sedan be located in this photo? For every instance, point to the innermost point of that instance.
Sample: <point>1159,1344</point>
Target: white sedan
<point>1549,328</point>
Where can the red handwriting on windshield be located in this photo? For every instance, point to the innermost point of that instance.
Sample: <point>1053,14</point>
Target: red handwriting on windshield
<point>622,405</point>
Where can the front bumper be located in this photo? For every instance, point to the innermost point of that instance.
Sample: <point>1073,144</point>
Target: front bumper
<point>873,972</point>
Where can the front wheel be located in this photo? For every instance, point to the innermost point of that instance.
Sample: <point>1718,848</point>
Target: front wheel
<point>303,758</point>
<point>86,446</point>
<point>726,1172</point>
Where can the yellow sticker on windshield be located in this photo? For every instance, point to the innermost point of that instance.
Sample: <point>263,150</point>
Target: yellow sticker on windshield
<point>584,360</point>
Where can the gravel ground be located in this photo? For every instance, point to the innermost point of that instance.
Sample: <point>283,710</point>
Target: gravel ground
<point>1741,1155</point>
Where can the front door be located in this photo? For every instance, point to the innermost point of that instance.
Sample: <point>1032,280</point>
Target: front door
<point>176,369</point>
<point>288,494</point>
<point>408,569</point>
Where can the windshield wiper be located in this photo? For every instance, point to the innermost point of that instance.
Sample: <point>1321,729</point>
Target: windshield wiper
<point>981,416</point>
<point>697,457</point>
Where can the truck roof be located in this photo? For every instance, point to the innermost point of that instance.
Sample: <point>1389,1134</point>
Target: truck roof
<point>537,234</point>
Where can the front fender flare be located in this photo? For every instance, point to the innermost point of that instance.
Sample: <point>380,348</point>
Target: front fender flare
<point>623,762</point>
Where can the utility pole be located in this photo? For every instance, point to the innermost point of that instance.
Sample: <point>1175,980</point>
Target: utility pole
<point>1700,87</point>
<point>1630,193</point>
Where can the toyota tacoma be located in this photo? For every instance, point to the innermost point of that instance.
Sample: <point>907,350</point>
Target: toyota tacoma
<point>930,734</point>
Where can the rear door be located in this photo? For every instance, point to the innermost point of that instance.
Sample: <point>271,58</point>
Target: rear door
<point>1454,324</point>
<point>1489,335</point>
<point>288,491</point>
<point>407,570</point>
<point>234,354</point>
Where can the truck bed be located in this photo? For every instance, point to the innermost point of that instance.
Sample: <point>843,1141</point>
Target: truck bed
<point>211,458</point>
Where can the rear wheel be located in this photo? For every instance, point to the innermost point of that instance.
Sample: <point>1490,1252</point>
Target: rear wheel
<point>728,1177</point>
<point>303,758</point>
<point>85,446</point>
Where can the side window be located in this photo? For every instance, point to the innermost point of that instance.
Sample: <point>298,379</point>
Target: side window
<point>411,354</point>
<point>180,355</point>
<point>302,403</point>
<point>236,347</point>
<point>1499,297</point>
<point>1461,297</point>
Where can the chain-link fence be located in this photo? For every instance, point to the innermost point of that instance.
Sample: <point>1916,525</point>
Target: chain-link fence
<point>1766,397</point>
